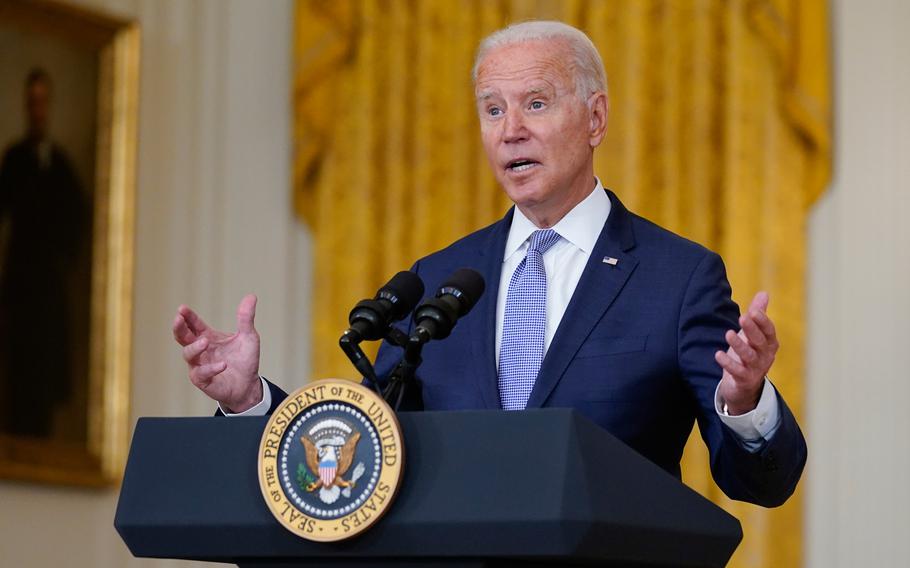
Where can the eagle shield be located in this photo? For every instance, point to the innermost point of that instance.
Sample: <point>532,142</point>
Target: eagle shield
<point>330,448</point>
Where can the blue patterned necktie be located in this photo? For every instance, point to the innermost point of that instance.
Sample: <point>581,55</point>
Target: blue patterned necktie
<point>524,325</point>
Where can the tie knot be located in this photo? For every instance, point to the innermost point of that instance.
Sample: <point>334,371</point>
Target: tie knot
<point>542,240</point>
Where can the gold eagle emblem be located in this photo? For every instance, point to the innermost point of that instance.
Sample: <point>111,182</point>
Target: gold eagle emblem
<point>344,456</point>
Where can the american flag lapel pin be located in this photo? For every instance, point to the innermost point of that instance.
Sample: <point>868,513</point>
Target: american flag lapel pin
<point>610,260</point>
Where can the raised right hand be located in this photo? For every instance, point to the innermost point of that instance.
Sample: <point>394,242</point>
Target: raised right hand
<point>223,366</point>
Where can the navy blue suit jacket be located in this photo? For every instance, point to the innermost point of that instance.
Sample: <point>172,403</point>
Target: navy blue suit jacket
<point>634,351</point>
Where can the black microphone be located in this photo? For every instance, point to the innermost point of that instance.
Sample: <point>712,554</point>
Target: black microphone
<point>436,317</point>
<point>370,319</point>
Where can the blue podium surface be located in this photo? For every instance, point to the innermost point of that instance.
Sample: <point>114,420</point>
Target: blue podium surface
<point>481,488</point>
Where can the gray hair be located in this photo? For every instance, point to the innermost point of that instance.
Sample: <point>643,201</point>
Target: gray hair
<point>590,75</point>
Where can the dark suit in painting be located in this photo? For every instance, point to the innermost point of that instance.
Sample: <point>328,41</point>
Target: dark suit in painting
<point>43,219</point>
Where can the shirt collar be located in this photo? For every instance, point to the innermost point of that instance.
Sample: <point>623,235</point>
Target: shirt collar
<point>581,226</point>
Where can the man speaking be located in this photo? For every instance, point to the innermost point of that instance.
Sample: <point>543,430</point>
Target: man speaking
<point>587,305</point>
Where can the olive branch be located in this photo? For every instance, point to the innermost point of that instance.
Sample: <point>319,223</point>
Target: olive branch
<point>304,477</point>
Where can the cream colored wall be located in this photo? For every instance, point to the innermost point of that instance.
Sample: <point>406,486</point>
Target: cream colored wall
<point>859,298</point>
<point>214,222</point>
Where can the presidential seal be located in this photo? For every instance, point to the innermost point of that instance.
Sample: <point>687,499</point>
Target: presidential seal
<point>331,460</point>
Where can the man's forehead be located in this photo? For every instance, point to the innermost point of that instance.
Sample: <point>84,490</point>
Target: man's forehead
<point>528,67</point>
<point>532,88</point>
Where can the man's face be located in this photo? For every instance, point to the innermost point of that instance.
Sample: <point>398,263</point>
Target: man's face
<point>37,108</point>
<point>537,133</point>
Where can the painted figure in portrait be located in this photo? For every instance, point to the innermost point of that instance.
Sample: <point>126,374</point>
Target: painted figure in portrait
<point>68,109</point>
<point>45,227</point>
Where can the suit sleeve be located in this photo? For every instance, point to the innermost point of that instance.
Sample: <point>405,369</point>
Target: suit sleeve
<point>769,475</point>
<point>276,393</point>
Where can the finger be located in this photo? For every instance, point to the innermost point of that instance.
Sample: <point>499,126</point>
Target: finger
<point>202,375</point>
<point>182,333</point>
<point>193,321</point>
<point>760,302</point>
<point>766,325</point>
<point>193,350</point>
<point>246,314</point>
<point>746,354</point>
<point>752,332</point>
<point>736,370</point>
<point>732,352</point>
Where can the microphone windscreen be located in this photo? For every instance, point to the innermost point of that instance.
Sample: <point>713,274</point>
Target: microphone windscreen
<point>467,285</point>
<point>407,289</point>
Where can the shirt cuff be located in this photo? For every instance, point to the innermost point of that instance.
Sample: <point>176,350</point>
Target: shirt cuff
<point>757,425</point>
<point>260,409</point>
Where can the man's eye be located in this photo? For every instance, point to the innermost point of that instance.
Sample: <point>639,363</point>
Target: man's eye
<point>494,111</point>
<point>537,105</point>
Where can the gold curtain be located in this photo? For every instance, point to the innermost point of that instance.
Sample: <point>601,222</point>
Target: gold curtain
<point>719,130</point>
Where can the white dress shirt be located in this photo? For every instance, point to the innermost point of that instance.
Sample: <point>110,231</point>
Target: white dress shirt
<point>260,409</point>
<point>564,263</point>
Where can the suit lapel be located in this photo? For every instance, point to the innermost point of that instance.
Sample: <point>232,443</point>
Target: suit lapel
<point>598,287</point>
<point>483,328</point>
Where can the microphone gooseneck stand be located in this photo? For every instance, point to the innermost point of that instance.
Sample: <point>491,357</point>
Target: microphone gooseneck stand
<point>404,374</point>
<point>434,319</point>
<point>371,319</point>
<point>358,358</point>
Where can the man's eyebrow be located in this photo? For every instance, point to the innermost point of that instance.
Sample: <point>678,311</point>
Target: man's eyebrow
<point>538,89</point>
<point>488,94</point>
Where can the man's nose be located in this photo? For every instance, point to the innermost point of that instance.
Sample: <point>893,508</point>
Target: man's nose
<point>514,128</point>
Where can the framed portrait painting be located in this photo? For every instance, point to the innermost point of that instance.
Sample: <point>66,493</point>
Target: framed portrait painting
<point>68,94</point>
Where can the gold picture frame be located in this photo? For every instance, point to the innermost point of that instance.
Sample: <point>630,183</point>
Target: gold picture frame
<point>110,46</point>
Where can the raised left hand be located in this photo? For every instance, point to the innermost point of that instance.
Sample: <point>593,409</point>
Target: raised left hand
<point>749,358</point>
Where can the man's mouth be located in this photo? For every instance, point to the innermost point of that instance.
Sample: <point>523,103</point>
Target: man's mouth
<point>521,164</point>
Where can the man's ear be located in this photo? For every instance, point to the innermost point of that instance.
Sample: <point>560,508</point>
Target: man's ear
<point>599,105</point>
